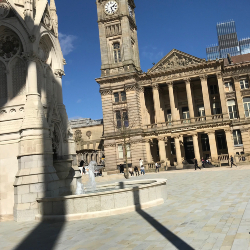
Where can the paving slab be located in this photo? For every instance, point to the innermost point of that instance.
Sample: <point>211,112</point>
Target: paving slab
<point>208,209</point>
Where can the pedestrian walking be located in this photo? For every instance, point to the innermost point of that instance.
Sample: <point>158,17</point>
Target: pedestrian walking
<point>196,164</point>
<point>203,162</point>
<point>157,167</point>
<point>142,170</point>
<point>131,171</point>
<point>121,169</point>
<point>232,161</point>
<point>137,173</point>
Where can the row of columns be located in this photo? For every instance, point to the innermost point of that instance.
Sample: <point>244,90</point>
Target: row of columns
<point>212,142</point>
<point>159,112</point>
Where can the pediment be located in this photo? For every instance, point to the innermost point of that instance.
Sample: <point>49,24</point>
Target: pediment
<point>175,59</point>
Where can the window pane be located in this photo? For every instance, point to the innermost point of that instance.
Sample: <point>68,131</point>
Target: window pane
<point>120,151</point>
<point>118,115</point>
<point>116,96</point>
<point>125,115</point>
<point>245,106</point>
<point>246,99</point>
<point>123,96</point>
<point>128,151</point>
<point>241,85</point>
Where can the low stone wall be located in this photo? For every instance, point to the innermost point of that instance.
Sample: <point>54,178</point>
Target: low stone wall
<point>147,194</point>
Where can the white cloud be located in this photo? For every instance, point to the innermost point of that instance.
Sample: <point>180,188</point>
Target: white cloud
<point>79,101</point>
<point>66,42</point>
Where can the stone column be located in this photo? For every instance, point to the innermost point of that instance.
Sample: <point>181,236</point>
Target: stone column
<point>189,98</point>
<point>162,150</point>
<point>174,110</point>
<point>144,117</point>
<point>230,143</point>
<point>178,152</point>
<point>148,152</point>
<point>222,96</point>
<point>159,113</point>
<point>241,111</point>
<point>213,145</point>
<point>36,172</point>
<point>206,98</point>
<point>196,148</point>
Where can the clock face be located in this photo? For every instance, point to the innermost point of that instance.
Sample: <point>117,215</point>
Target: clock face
<point>111,7</point>
<point>130,11</point>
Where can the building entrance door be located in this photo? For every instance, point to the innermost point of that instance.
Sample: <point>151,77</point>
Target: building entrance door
<point>189,148</point>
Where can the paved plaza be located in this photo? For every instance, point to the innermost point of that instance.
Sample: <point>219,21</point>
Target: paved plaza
<point>207,209</point>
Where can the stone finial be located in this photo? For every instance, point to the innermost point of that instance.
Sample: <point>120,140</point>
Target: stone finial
<point>52,5</point>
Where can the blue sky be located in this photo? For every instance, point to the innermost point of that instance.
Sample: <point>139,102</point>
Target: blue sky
<point>186,25</point>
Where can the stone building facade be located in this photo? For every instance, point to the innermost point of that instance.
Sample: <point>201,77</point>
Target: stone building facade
<point>88,139</point>
<point>36,142</point>
<point>183,107</point>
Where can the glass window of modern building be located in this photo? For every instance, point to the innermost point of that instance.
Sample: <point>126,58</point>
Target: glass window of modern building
<point>228,42</point>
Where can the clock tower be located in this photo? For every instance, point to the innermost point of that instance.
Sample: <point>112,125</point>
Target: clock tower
<point>118,37</point>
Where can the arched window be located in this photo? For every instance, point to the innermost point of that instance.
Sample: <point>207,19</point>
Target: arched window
<point>117,52</point>
<point>18,77</point>
<point>3,82</point>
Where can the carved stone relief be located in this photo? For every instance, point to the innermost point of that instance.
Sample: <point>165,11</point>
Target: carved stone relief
<point>174,61</point>
<point>9,46</point>
<point>4,10</point>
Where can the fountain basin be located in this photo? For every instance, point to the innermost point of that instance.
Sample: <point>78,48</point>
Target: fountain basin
<point>131,196</point>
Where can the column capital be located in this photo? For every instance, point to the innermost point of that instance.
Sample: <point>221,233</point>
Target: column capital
<point>140,89</point>
<point>187,80</point>
<point>203,77</point>
<point>209,132</point>
<point>228,129</point>
<point>236,78</point>
<point>155,86</point>
<point>219,75</point>
<point>30,56</point>
<point>176,136</point>
<point>170,84</point>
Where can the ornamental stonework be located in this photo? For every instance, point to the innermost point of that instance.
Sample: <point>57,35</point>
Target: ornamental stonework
<point>4,10</point>
<point>9,46</point>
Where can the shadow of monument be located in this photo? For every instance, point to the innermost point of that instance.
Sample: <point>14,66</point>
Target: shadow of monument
<point>171,237</point>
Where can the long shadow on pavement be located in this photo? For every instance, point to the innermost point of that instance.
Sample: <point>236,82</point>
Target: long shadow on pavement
<point>171,237</point>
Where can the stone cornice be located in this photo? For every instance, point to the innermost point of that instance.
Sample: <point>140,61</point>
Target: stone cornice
<point>117,78</point>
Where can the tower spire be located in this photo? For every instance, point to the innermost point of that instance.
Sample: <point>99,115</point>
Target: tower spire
<point>52,5</point>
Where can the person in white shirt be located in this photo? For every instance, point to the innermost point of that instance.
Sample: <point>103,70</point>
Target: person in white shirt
<point>141,162</point>
<point>157,167</point>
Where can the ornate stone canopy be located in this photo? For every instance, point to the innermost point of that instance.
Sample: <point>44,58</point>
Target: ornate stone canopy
<point>175,59</point>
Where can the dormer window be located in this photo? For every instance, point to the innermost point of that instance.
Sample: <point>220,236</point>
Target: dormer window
<point>244,84</point>
<point>117,52</point>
